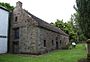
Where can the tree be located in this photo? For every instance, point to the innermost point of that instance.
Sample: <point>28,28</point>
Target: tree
<point>77,29</point>
<point>67,27</point>
<point>71,28</point>
<point>59,24</point>
<point>7,6</point>
<point>83,9</point>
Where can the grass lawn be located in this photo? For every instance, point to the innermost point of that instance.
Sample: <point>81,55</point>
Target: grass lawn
<point>55,56</point>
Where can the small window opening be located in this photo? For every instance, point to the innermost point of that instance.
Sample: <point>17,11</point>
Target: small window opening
<point>52,42</point>
<point>60,42</point>
<point>44,43</point>
<point>16,19</point>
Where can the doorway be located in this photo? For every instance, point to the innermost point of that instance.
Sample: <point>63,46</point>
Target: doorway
<point>16,47</point>
<point>56,45</point>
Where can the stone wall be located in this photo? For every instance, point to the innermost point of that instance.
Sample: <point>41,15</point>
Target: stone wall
<point>32,36</point>
<point>28,38</point>
<point>50,36</point>
<point>27,32</point>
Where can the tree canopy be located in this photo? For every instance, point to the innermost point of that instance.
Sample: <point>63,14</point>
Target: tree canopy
<point>83,9</point>
<point>71,28</point>
<point>7,6</point>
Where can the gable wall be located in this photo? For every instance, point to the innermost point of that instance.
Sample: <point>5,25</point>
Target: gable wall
<point>27,32</point>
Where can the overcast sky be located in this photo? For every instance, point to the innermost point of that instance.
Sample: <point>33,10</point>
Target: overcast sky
<point>48,10</point>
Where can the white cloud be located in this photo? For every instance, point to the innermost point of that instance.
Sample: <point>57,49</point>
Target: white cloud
<point>48,10</point>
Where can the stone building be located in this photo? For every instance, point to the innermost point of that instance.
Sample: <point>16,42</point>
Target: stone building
<point>30,34</point>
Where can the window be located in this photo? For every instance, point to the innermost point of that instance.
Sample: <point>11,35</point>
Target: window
<point>44,43</point>
<point>16,42</point>
<point>60,42</point>
<point>15,19</point>
<point>16,33</point>
<point>52,42</point>
<point>56,38</point>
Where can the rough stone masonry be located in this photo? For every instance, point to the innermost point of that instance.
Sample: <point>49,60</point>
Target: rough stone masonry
<point>29,34</point>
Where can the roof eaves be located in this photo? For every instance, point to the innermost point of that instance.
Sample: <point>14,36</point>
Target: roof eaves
<point>46,25</point>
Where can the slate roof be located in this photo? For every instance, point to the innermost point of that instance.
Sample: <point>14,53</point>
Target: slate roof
<point>43,24</point>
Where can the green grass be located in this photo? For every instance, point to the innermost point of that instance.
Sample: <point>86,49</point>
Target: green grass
<point>55,56</point>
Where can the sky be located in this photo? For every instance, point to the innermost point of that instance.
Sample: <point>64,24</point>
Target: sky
<point>47,10</point>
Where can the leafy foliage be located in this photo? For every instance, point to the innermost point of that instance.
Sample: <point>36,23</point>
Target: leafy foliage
<point>71,28</point>
<point>67,27</point>
<point>83,9</point>
<point>7,6</point>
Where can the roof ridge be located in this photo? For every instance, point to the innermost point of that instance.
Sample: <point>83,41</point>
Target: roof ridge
<point>45,24</point>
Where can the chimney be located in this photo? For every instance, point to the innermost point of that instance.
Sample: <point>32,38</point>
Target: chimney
<point>19,4</point>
